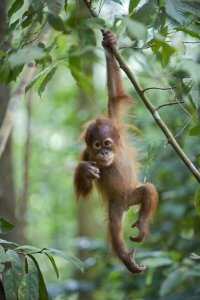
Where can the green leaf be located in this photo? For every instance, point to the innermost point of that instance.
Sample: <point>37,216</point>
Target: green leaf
<point>15,7</point>
<point>5,226</point>
<point>7,242</point>
<point>57,23</point>
<point>189,32</point>
<point>70,258</point>
<point>7,279</point>
<point>43,295</point>
<point>117,1</point>
<point>25,55</point>
<point>35,79</point>
<point>155,262</point>
<point>2,258</point>
<point>46,80</point>
<point>12,277</point>
<point>2,255</point>
<point>132,5</point>
<point>28,249</point>
<point>197,201</point>
<point>165,51</point>
<point>175,9</point>
<point>55,6</point>
<point>195,131</point>
<point>29,286</point>
<point>28,289</point>
<point>136,30</point>
<point>50,257</point>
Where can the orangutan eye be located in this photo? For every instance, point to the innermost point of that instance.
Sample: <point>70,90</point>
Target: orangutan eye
<point>97,145</point>
<point>107,142</point>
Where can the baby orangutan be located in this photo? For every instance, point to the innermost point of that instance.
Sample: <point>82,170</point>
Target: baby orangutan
<point>109,163</point>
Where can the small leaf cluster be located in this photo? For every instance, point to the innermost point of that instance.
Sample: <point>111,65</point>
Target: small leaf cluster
<point>22,277</point>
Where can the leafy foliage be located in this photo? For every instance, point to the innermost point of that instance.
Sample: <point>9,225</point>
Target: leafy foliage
<point>26,279</point>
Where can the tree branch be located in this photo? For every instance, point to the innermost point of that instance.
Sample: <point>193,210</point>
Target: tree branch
<point>169,104</point>
<point>171,139</point>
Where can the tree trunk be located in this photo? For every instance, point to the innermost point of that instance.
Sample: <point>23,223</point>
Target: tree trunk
<point>7,190</point>
<point>86,209</point>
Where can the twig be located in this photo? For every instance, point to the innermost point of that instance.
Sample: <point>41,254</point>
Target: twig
<point>151,108</point>
<point>165,89</point>
<point>168,104</point>
<point>90,8</point>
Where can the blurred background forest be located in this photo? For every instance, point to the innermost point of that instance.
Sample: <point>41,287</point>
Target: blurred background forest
<point>53,78</point>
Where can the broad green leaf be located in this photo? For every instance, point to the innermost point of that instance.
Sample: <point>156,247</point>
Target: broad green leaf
<point>15,7</point>
<point>195,131</point>
<point>155,262</point>
<point>55,6</point>
<point>189,32</point>
<point>43,295</point>
<point>175,9</point>
<point>50,257</point>
<point>2,255</point>
<point>165,50</point>
<point>132,5</point>
<point>197,201</point>
<point>25,55</point>
<point>27,249</point>
<point>46,80</point>
<point>2,267</point>
<point>35,79</point>
<point>5,226</point>
<point>16,263</point>
<point>57,23</point>
<point>12,277</point>
<point>7,279</point>
<point>28,17</point>
<point>29,287</point>
<point>7,242</point>
<point>70,258</point>
<point>2,258</point>
<point>136,30</point>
